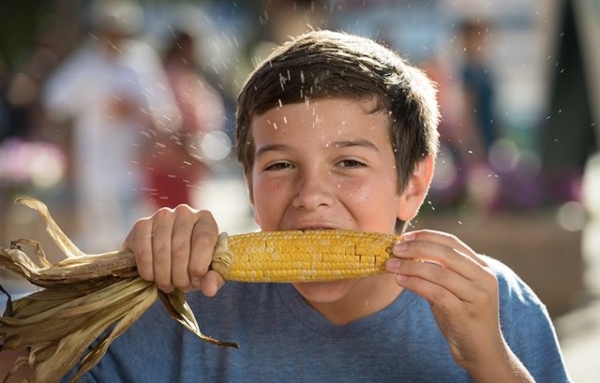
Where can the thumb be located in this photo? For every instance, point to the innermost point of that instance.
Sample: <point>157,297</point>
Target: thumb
<point>211,283</point>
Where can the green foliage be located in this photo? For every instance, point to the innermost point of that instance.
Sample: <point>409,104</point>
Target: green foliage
<point>20,21</point>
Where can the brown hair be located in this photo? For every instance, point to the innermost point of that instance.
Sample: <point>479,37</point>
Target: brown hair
<point>322,64</point>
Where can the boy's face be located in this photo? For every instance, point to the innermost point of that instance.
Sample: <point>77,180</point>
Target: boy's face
<point>324,164</point>
<point>327,163</point>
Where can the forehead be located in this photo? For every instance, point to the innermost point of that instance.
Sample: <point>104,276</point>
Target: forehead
<point>322,119</point>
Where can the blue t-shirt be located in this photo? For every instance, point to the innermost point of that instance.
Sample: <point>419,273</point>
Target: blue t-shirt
<point>282,339</point>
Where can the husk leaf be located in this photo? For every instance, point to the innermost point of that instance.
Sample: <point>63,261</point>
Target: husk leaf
<point>86,302</point>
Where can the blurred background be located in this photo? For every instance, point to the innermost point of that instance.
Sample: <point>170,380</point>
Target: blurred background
<point>111,109</point>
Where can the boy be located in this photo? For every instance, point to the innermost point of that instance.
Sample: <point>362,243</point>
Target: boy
<point>335,131</point>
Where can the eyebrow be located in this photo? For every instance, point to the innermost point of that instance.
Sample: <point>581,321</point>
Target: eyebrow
<point>351,143</point>
<point>268,148</point>
<point>338,144</point>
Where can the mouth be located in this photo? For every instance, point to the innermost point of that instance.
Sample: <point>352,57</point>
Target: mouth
<point>315,228</point>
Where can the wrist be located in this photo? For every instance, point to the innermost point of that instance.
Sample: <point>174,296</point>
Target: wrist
<point>504,366</point>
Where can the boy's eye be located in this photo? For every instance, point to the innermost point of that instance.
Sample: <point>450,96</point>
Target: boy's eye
<point>279,166</point>
<point>350,163</point>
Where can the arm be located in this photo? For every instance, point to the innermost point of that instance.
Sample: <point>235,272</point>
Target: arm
<point>174,248</point>
<point>67,88</point>
<point>463,295</point>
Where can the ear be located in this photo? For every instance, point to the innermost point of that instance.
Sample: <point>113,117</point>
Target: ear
<point>415,192</point>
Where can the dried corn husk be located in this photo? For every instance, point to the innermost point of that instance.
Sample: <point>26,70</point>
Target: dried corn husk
<point>84,297</point>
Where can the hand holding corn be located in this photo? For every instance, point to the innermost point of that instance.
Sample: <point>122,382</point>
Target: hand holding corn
<point>94,292</point>
<point>165,254</point>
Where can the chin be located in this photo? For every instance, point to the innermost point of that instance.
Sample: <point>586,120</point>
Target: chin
<point>325,292</point>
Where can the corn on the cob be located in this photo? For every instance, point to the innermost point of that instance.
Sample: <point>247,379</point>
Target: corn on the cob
<point>94,292</point>
<point>301,256</point>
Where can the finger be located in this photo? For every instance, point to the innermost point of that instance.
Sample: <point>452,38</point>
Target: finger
<point>139,241</point>
<point>445,239</point>
<point>434,252</point>
<point>181,247</point>
<point>431,281</point>
<point>162,231</point>
<point>204,239</point>
<point>445,267</point>
<point>435,295</point>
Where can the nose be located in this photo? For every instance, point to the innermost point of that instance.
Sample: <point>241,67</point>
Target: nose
<point>313,190</point>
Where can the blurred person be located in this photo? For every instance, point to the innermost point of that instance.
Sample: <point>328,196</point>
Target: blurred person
<point>478,86</point>
<point>472,133</point>
<point>174,160</point>
<point>114,90</point>
<point>479,123</point>
<point>448,185</point>
<point>293,17</point>
<point>278,21</point>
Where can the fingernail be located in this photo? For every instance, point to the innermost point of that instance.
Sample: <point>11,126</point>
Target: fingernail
<point>400,246</point>
<point>166,289</point>
<point>400,278</point>
<point>393,263</point>
<point>408,236</point>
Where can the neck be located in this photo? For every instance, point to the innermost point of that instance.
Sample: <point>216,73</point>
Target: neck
<point>365,297</point>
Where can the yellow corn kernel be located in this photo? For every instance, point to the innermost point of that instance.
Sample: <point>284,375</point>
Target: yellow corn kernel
<point>302,256</point>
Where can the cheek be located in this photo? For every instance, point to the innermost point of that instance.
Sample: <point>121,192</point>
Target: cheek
<point>369,191</point>
<point>267,190</point>
<point>371,202</point>
<point>358,195</point>
<point>268,195</point>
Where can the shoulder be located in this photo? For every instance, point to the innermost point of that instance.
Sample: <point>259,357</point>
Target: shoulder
<point>527,326</point>
<point>511,287</point>
<point>521,310</point>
